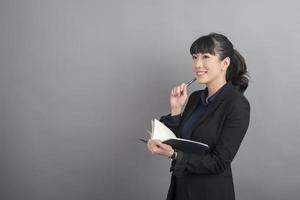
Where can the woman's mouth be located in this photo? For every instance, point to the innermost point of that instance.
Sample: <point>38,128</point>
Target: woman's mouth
<point>201,73</point>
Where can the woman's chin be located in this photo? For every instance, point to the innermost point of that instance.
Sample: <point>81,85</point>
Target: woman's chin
<point>201,81</point>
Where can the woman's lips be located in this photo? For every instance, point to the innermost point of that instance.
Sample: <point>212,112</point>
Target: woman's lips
<point>201,73</point>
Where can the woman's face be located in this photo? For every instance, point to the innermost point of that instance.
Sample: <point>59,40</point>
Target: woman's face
<point>209,68</point>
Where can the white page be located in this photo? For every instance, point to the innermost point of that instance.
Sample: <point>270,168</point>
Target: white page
<point>161,132</point>
<point>152,127</point>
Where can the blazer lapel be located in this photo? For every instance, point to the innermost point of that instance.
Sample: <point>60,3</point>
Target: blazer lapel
<point>193,106</point>
<point>213,106</point>
<point>210,109</point>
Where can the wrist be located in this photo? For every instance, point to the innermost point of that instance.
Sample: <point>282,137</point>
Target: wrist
<point>175,111</point>
<point>173,155</point>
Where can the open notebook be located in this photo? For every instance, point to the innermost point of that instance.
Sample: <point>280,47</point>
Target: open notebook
<point>163,133</point>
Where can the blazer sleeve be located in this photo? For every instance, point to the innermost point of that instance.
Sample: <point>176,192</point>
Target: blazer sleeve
<point>220,156</point>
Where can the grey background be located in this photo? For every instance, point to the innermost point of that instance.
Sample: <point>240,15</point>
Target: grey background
<point>81,80</point>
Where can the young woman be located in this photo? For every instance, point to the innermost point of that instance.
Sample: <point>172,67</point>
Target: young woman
<point>218,116</point>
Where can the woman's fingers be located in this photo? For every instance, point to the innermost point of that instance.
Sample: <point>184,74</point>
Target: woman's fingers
<point>178,90</point>
<point>184,89</point>
<point>157,147</point>
<point>173,92</point>
<point>152,145</point>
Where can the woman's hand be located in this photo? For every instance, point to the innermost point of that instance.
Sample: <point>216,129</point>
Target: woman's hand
<point>156,147</point>
<point>178,98</point>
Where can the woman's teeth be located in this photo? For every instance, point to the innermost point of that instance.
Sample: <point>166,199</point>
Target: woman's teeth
<point>201,73</point>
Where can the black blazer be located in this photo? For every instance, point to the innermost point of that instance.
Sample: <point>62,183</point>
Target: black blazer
<point>207,175</point>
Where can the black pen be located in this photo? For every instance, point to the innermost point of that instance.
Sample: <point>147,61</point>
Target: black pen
<point>143,140</point>
<point>191,81</point>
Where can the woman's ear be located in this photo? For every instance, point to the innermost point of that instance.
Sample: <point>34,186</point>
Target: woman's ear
<point>225,63</point>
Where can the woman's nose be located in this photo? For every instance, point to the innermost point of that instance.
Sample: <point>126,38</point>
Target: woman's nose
<point>198,63</point>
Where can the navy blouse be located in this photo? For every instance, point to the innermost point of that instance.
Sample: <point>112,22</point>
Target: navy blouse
<point>186,129</point>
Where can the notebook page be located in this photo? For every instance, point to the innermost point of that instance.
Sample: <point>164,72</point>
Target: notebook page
<point>161,132</point>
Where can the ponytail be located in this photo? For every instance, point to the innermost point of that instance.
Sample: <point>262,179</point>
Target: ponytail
<point>237,72</point>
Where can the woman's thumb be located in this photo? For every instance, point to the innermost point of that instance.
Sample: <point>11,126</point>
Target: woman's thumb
<point>185,90</point>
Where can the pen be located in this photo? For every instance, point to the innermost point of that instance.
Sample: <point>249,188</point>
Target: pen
<point>191,81</point>
<point>143,140</point>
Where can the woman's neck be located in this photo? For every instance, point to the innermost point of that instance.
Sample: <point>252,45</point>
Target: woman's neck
<point>214,87</point>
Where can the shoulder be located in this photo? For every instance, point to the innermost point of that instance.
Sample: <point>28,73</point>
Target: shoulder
<point>239,99</point>
<point>232,95</point>
<point>236,103</point>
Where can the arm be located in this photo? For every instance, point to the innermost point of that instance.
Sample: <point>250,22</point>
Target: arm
<point>172,121</point>
<point>178,97</point>
<point>220,156</point>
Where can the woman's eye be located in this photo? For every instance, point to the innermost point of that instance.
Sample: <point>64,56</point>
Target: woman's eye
<point>194,57</point>
<point>205,56</point>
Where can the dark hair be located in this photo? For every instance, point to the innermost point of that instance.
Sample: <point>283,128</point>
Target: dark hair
<point>219,44</point>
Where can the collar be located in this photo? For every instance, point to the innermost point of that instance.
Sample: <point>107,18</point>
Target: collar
<point>208,100</point>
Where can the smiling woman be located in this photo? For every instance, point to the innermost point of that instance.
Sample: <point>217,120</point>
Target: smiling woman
<point>218,116</point>
<point>214,58</point>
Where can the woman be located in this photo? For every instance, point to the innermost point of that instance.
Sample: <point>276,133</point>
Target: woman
<point>218,116</point>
